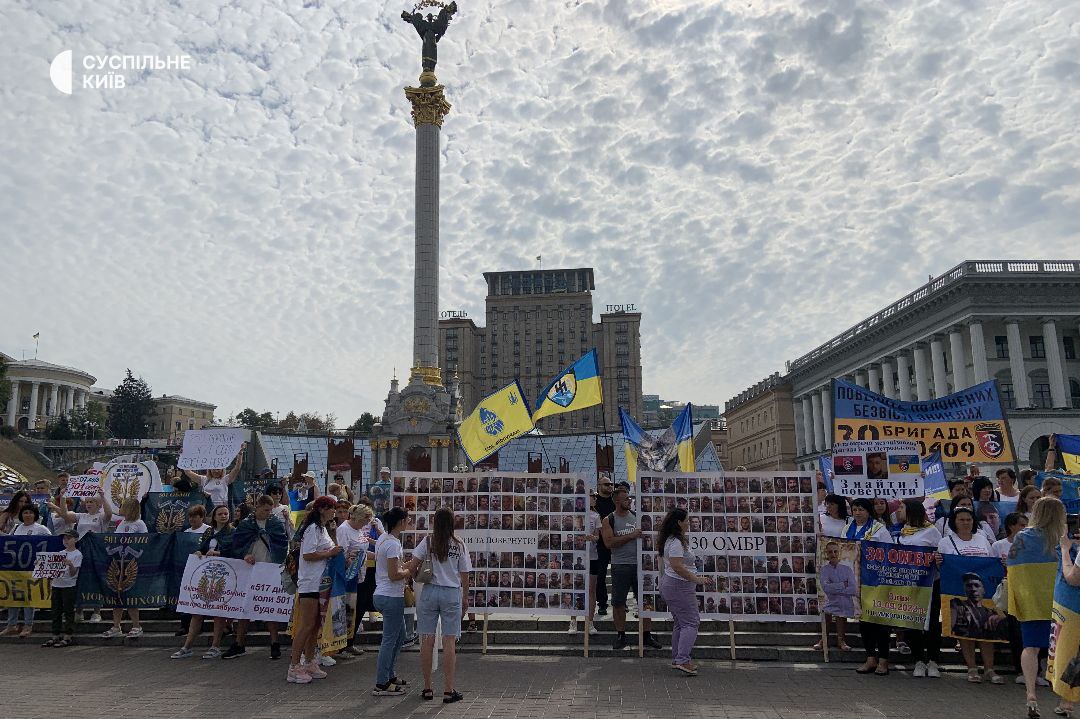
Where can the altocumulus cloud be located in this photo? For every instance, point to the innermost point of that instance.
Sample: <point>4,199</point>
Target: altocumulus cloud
<point>757,176</point>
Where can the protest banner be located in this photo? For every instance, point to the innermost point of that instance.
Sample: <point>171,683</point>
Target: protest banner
<point>128,570</point>
<point>168,511</point>
<point>333,635</point>
<point>232,588</point>
<point>127,480</point>
<point>753,533</point>
<point>49,565</point>
<point>18,555</point>
<point>967,608</point>
<point>897,584</point>
<point>877,468</point>
<point>525,534</point>
<point>211,448</point>
<point>246,491</point>
<point>967,426</point>
<point>838,577</point>
<point>82,486</point>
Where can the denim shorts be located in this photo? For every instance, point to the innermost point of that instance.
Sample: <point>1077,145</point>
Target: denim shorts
<point>435,602</point>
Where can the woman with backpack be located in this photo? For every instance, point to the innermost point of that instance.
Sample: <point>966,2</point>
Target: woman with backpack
<point>316,547</point>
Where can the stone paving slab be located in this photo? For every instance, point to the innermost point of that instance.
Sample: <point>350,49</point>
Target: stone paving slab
<point>94,682</point>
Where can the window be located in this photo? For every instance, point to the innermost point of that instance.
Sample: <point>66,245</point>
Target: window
<point>1007,396</point>
<point>1002,345</point>
<point>1070,348</point>
<point>1038,349</point>
<point>1074,392</point>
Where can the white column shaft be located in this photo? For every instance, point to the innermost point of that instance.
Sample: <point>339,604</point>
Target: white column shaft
<point>808,424</point>
<point>903,378</point>
<point>826,417</point>
<point>978,353</point>
<point>873,377</point>
<point>1059,390</point>
<point>1016,365</point>
<point>13,403</point>
<point>31,419</point>
<point>959,363</point>
<point>937,361</point>
<point>819,422</point>
<point>888,380</point>
<point>922,374</point>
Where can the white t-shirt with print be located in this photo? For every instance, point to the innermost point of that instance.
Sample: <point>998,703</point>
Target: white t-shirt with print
<point>387,547</point>
<point>200,530</point>
<point>90,522</point>
<point>309,574</point>
<point>126,527</point>
<point>1001,547</point>
<point>31,530</point>
<point>448,573</point>
<point>674,548</point>
<point>217,489</point>
<point>977,546</point>
<point>70,581</point>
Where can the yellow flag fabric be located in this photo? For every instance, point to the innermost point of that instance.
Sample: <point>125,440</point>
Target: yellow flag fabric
<point>498,419</point>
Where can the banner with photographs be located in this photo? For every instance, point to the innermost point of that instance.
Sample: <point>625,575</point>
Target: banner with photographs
<point>967,606</point>
<point>525,533</point>
<point>753,533</point>
<point>838,577</point>
<point>877,468</point>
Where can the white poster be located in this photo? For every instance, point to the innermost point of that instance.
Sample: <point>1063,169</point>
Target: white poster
<point>211,448</point>
<point>232,588</point>
<point>49,565</point>
<point>82,486</point>
<point>525,534</point>
<point>125,480</point>
<point>888,468</point>
<point>753,534</point>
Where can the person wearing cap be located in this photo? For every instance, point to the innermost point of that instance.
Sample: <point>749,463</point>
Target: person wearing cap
<point>63,594</point>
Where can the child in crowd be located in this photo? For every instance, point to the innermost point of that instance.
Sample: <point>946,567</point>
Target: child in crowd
<point>63,594</point>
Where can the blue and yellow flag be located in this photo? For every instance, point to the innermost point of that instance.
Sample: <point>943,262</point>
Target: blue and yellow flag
<point>498,419</point>
<point>654,453</point>
<point>1032,569</point>
<point>1064,638</point>
<point>935,484</point>
<point>577,387</point>
<point>1069,447</point>
<point>903,463</point>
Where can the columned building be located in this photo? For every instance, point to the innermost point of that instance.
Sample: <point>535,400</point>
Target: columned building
<point>41,392</point>
<point>1016,321</point>
<point>538,323</point>
<point>761,426</point>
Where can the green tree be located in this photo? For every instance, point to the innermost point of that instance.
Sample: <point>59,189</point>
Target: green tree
<point>365,424</point>
<point>131,403</point>
<point>289,421</point>
<point>91,422</point>
<point>60,429</point>
<point>5,386</point>
<point>252,419</point>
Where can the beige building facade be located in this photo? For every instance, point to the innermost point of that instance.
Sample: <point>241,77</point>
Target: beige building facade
<point>761,427</point>
<point>173,415</point>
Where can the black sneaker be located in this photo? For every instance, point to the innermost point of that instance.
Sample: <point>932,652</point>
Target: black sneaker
<point>651,641</point>
<point>233,652</point>
<point>620,642</point>
<point>601,612</point>
<point>275,650</point>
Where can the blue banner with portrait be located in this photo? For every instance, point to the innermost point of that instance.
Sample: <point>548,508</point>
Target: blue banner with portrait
<point>967,606</point>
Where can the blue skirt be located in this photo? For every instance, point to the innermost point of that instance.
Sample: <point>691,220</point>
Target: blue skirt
<point>1035,633</point>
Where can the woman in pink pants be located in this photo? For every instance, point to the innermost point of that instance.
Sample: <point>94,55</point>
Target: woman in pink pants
<point>678,587</point>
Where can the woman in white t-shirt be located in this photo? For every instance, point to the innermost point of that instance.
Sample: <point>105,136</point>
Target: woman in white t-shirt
<point>965,539</point>
<point>215,483</point>
<point>834,521</point>
<point>678,587</point>
<point>316,547</point>
<point>95,515</point>
<point>353,539</point>
<point>919,531</point>
<point>445,598</point>
<point>129,524</point>
<point>390,574</point>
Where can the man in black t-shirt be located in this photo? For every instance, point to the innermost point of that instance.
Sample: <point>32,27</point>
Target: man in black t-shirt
<point>605,505</point>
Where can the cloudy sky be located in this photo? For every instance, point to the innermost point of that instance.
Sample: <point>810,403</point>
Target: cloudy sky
<point>757,176</point>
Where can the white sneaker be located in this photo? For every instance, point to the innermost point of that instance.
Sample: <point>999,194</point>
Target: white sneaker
<point>592,628</point>
<point>932,670</point>
<point>112,632</point>
<point>213,653</point>
<point>920,670</point>
<point>135,632</point>
<point>326,661</point>
<point>96,617</point>
<point>572,629</point>
<point>181,653</point>
<point>1019,679</point>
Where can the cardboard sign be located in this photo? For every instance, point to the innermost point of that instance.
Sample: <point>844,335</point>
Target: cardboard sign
<point>49,565</point>
<point>211,448</point>
<point>82,486</point>
<point>877,468</point>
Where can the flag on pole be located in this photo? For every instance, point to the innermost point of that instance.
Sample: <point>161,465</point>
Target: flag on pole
<point>576,387</point>
<point>498,419</point>
<point>654,453</point>
<point>1069,447</point>
<point>36,335</point>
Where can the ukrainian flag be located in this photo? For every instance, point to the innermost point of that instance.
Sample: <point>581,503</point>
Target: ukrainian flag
<point>577,387</point>
<point>656,452</point>
<point>903,463</point>
<point>633,436</point>
<point>1065,637</point>
<point>684,438</point>
<point>1032,570</point>
<point>498,419</point>
<point>1068,445</point>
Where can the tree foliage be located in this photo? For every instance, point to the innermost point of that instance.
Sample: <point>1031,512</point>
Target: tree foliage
<point>365,424</point>
<point>131,404</point>
<point>253,420</point>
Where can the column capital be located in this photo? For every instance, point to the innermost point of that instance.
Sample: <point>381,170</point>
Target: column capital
<point>429,105</point>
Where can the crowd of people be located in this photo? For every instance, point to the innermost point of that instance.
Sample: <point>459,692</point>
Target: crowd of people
<point>383,573</point>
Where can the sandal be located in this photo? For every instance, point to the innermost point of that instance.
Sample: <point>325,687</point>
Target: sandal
<point>1033,709</point>
<point>427,695</point>
<point>398,682</point>
<point>451,697</point>
<point>52,642</point>
<point>64,643</point>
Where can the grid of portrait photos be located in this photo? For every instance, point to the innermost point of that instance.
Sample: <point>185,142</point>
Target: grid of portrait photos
<point>525,532</point>
<point>755,536</point>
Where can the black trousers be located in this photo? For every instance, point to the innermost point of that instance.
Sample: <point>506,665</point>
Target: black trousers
<point>603,559</point>
<point>875,639</point>
<point>63,610</point>
<point>926,644</point>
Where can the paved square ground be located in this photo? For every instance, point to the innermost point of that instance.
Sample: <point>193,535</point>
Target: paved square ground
<point>88,682</point>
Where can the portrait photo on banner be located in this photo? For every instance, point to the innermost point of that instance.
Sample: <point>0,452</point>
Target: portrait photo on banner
<point>967,606</point>
<point>838,577</point>
<point>525,534</point>
<point>753,533</point>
